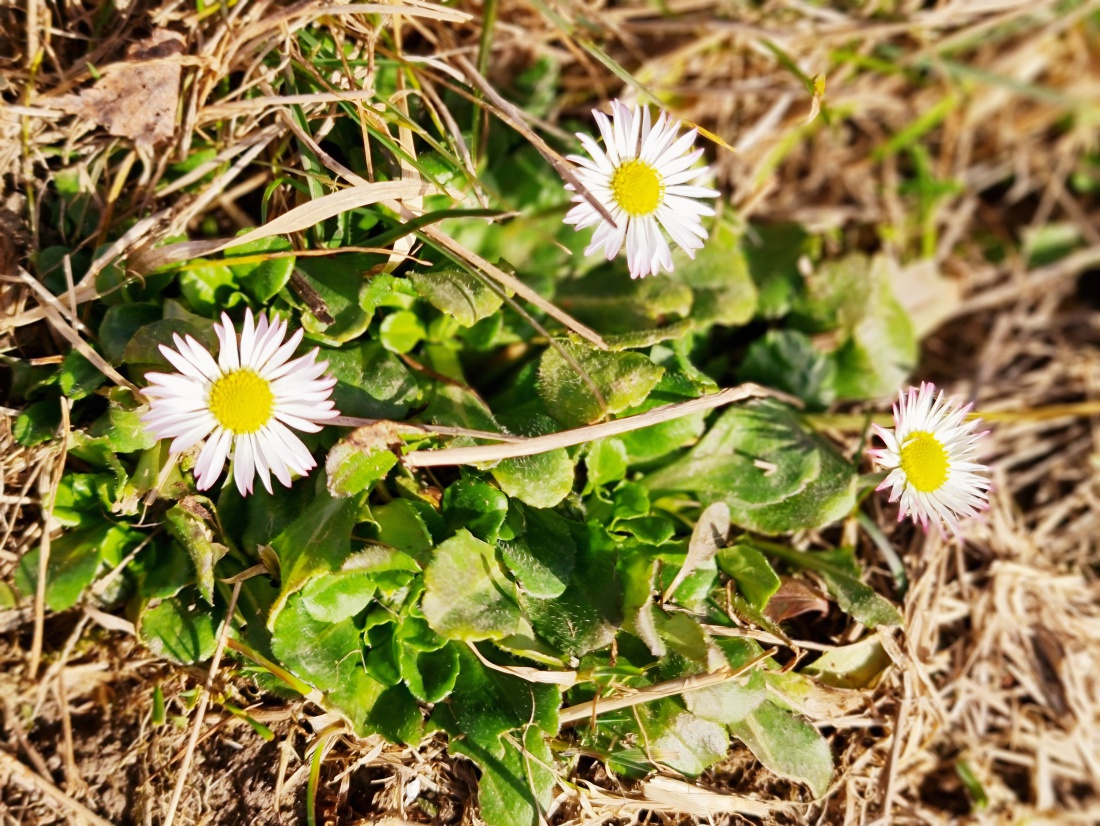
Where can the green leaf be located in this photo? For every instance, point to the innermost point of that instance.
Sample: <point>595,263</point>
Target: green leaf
<point>79,377</point>
<point>371,382</point>
<point>680,740</point>
<point>38,423</point>
<point>401,331</point>
<point>121,426</point>
<point>8,597</point>
<point>606,462</point>
<point>541,481</point>
<point>587,614</point>
<point>755,578</point>
<point>319,651</point>
<point>119,325</point>
<point>775,476</point>
<point>144,345</point>
<point>316,542</point>
<point>612,302</point>
<point>461,295</point>
<point>773,252</point>
<point>401,525</point>
<point>186,522</point>
<point>658,440</point>
<point>181,629</point>
<point>163,569</point>
<point>466,593</point>
<point>209,287</point>
<point>516,787</point>
<point>683,635</point>
<point>77,499</point>
<point>851,666</point>
<point>623,380</point>
<point>487,703</point>
<point>756,454</point>
<point>477,506</point>
<point>336,283</point>
<point>360,459</point>
<point>786,745</point>
<point>639,578</point>
<point>262,280</point>
<point>729,702</point>
<point>719,277</point>
<point>382,658</point>
<point>449,404</point>
<point>430,675</point>
<point>338,596</point>
<point>879,347</point>
<point>74,561</point>
<point>861,601</point>
<point>787,360</point>
<point>542,559</point>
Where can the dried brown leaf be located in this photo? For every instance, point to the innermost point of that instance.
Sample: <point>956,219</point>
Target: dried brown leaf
<point>793,598</point>
<point>136,98</point>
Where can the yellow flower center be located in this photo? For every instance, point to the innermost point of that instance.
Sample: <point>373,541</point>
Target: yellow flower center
<point>637,188</point>
<point>924,461</point>
<point>241,401</point>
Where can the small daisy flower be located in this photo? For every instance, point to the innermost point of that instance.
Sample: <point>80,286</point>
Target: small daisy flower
<point>645,177</point>
<point>930,458</point>
<point>244,404</point>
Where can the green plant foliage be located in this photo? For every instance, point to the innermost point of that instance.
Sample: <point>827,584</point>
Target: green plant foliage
<point>467,595</point>
<point>790,747</point>
<point>755,578</point>
<point>458,294</point>
<point>774,474</point>
<point>75,559</point>
<point>187,522</point>
<point>262,280</point>
<point>623,380</point>
<point>316,542</point>
<point>477,600</point>
<point>788,361</point>
<point>182,628</point>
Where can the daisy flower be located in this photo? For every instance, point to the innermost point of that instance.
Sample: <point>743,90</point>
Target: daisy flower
<point>244,404</point>
<point>930,458</point>
<point>644,176</point>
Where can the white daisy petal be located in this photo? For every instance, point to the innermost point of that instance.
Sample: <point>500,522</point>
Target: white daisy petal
<point>227,341</point>
<point>244,466</point>
<point>248,337</point>
<point>242,403</point>
<point>212,458</point>
<point>645,176</point>
<point>930,455</point>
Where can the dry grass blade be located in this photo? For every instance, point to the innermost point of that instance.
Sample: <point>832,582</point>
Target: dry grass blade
<point>674,795</point>
<point>329,206</point>
<point>514,118</point>
<point>602,705</point>
<point>589,433</point>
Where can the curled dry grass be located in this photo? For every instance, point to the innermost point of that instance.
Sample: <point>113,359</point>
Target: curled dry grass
<point>988,107</point>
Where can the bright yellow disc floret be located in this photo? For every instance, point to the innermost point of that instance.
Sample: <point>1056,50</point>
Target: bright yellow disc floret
<point>241,401</point>
<point>924,461</point>
<point>637,188</point>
